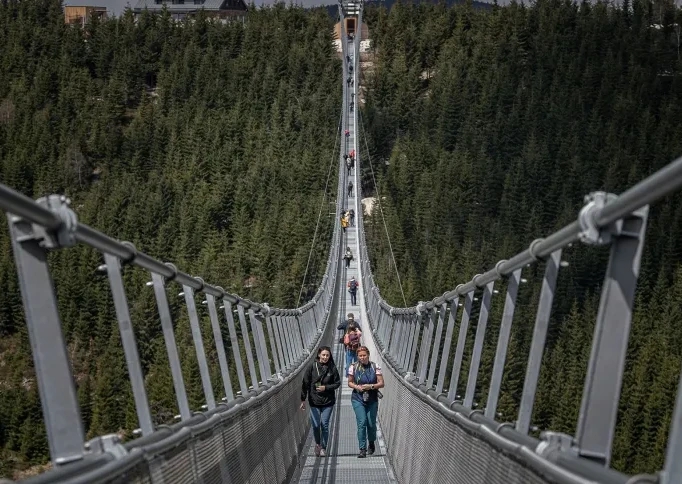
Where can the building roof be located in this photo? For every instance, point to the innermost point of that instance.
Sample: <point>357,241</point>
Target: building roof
<point>190,6</point>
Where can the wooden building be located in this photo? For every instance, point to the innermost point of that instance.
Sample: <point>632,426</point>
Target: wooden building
<point>82,15</point>
<point>181,9</point>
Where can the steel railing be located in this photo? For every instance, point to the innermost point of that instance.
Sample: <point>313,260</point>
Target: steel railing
<point>412,341</point>
<point>38,227</point>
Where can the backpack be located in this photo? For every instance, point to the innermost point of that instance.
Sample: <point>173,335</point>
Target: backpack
<point>352,341</point>
<point>353,285</point>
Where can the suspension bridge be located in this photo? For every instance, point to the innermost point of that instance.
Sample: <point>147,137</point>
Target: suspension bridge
<point>430,430</point>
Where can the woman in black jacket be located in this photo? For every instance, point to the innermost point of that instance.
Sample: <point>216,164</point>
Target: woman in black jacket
<point>319,386</point>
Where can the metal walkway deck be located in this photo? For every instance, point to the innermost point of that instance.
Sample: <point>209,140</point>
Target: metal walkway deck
<point>341,464</point>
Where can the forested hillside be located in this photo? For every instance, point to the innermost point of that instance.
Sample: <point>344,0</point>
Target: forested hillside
<point>204,144</point>
<point>486,129</point>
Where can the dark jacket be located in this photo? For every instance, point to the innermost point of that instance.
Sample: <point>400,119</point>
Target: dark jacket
<point>344,325</point>
<point>327,376</point>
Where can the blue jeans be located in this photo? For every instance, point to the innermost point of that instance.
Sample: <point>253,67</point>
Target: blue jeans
<point>366,418</point>
<point>351,357</point>
<point>319,418</point>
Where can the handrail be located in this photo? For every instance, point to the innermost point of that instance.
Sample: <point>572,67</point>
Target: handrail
<point>20,205</point>
<point>283,337</point>
<point>650,190</point>
<point>411,342</point>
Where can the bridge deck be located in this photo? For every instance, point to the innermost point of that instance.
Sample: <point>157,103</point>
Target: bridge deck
<point>341,464</point>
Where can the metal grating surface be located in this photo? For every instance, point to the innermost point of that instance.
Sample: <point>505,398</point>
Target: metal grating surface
<point>425,446</point>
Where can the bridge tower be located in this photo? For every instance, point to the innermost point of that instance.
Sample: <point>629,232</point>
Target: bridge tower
<point>350,22</point>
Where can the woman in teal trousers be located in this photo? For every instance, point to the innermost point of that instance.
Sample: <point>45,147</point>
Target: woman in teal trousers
<point>365,378</point>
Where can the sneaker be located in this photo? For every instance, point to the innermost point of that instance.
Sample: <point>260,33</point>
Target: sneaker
<point>362,454</point>
<point>371,448</point>
<point>323,452</point>
<point>317,450</point>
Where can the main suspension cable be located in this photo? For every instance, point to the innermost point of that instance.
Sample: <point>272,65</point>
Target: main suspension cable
<point>319,215</point>
<point>381,210</point>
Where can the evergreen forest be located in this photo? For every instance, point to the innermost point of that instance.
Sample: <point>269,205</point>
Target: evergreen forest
<point>485,130</point>
<point>210,145</point>
<point>205,144</point>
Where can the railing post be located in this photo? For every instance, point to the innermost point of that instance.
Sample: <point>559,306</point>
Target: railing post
<point>454,305</point>
<point>478,345</point>
<point>385,331</point>
<point>436,343</point>
<point>390,330</point>
<point>58,398</point>
<point>264,345</point>
<point>129,344</point>
<point>234,342</point>
<point>406,336</point>
<point>171,348</point>
<point>297,336</point>
<point>298,333</point>
<point>259,343</point>
<point>502,342</point>
<point>601,395</point>
<point>300,322</point>
<point>199,346</point>
<point>409,338</point>
<point>308,326</point>
<point>304,330</point>
<point>273,344</point>
<point>537,346</point>
<point>220,347</point>
<point>378,323</point>
<point>388,326</point>
<point>292,348</point>
<point>429,320</point>
<point>247,346</point>
<point>395,349</point>
<point>286,340</point>
<point>413,342</point>
<point>281,347</point>
<point>459,351</point>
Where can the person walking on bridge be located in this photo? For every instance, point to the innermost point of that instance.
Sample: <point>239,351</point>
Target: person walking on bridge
<point>319,386</point>
<point>350,188</point>
<point>353,285</point>
<point>351,319</point>
<point>348,256</point>
<point>365,378</point>
<point>351,341</point>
